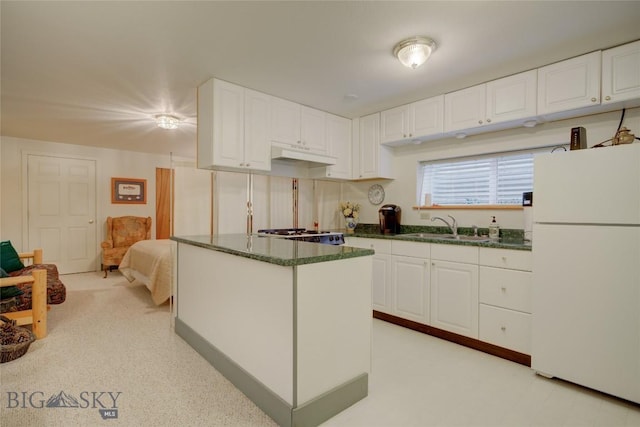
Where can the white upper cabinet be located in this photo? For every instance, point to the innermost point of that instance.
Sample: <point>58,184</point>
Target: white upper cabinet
<point>233,127</point>
<point>371,159</point>
<point>621,74</point>
<point>418,121</point>
<point>493,105</point>
<point>297,126</point>
<point>465,109</point>
<point>313,130</point>
<point>569,85</point>
<point>285,121</point>
<point>257,124</point>
<point>512,98</point>
<point>338,132</point>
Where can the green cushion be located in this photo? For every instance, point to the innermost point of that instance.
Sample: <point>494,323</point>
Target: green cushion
<point>9,291</point>
<point>9,259</point>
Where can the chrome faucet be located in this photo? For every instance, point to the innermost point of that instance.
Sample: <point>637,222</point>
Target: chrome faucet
<point>453,226</point>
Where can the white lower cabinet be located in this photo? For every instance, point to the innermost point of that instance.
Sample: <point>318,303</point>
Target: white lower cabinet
<point>505,298</point>
<point>410,280</point>
<point>481,293</point>
<point>381,294</point>
<point>454,297</point>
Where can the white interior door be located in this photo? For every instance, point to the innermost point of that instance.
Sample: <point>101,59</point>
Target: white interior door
<point>61,211</point>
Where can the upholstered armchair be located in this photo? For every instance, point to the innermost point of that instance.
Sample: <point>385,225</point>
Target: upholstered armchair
<point>122,232</point>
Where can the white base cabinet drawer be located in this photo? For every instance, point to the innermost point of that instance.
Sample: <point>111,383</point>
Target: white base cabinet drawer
<point>506,288</point>
<point>506,258</point>
<point>505,328</point>
<point>412,249</point>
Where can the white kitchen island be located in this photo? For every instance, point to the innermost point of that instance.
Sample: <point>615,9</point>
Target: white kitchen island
<point>288,323</point>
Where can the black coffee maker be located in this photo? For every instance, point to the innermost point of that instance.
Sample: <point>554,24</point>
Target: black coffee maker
<point>390,219</point>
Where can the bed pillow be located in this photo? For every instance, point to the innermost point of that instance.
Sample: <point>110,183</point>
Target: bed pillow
<point>9,291</point>
<point>9,259</point>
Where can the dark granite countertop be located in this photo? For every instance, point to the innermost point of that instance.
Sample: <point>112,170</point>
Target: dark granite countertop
<point>273,250</point>
<point>509,239</point>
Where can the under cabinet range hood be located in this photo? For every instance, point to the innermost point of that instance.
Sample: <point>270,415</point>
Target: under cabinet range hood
<point>281,153</point>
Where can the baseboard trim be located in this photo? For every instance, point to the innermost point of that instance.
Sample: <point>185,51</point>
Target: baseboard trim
<point>505,353</point>
<point>265,399</point>
<point>311,413</point>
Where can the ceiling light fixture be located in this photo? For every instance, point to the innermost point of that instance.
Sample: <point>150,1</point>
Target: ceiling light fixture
<point>414,51</point>
<point>165,121</point>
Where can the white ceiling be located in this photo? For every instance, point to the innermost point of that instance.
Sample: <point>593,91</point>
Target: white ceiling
<point>94,73</point>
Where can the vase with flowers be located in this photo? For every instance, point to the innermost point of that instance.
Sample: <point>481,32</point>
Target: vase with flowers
<point>351,213</point>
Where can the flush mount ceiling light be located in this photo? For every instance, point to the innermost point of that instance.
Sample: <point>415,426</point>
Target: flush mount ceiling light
<point>165,121</point>
<point>414,51</point>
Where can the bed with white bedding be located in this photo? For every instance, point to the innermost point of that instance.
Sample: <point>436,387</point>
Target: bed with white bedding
<point>151,262</point>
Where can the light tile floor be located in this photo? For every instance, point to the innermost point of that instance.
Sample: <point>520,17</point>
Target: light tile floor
<point>419,380</point>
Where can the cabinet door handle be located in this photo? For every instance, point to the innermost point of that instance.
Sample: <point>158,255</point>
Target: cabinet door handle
<point>503,289</point>
<point>503,328</point>
<point>607,98</point>
<point>488,120</point>
<point>479,122</point>
<point>594,99</point>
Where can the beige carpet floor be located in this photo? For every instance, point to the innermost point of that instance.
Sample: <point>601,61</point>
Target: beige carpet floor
<point>109,338</point>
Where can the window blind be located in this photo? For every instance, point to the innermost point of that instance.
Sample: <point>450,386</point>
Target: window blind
<point>496,180</point>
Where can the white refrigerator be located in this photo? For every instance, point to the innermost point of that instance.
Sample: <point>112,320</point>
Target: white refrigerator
<point>586,268</point>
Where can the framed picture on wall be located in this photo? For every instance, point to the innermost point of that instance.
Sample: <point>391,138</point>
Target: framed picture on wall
<point>128,190</point>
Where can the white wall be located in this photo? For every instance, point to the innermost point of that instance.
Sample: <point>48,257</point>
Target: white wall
<point>109,163</point>
<point>403,189</point>
<point>272,196</point>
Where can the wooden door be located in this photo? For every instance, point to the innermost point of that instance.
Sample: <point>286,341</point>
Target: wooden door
<point>61,194</point>
<point>164,203</point>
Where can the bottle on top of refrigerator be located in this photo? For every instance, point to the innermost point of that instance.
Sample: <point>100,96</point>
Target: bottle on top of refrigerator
<point>494,229</point>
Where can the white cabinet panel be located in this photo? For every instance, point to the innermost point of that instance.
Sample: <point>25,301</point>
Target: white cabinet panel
<point>506,288</point>
<point>257,118</point>
<point>428,118</point>
<point>394,124</point>
<point>621,74</point>
<point>410,285</point>
<point>570,84</point>
<point>506,258</point>
<point>466,254</point>
<point>233,127</point>
<point>512,98</point>
<point>505,328</point>
<point>454,297</point>
<point>419,121</point>
<point>381,293</point>
<point>338,134</point>
<point>312,131</point>
<point>465,109</point>
<point>412,249</point>
<point>285,121</point>
<point>374,160</point>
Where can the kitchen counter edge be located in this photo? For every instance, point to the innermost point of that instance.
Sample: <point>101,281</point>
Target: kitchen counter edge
<point>231,244</point>
<point>496,245</point>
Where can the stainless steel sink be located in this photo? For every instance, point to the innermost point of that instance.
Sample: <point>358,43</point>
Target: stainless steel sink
<point>438,236</point>
<point>429,235</point>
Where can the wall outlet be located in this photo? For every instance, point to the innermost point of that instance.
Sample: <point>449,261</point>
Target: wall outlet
<point>425,215</point>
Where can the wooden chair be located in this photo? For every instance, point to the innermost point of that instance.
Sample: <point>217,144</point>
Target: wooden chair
<point>37,315</point>
<point>122,232</point>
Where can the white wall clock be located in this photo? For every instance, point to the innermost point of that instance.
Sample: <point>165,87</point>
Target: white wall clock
<point>376,194</point>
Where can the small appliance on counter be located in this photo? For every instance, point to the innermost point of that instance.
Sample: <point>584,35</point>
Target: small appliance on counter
<point>390,219</point>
